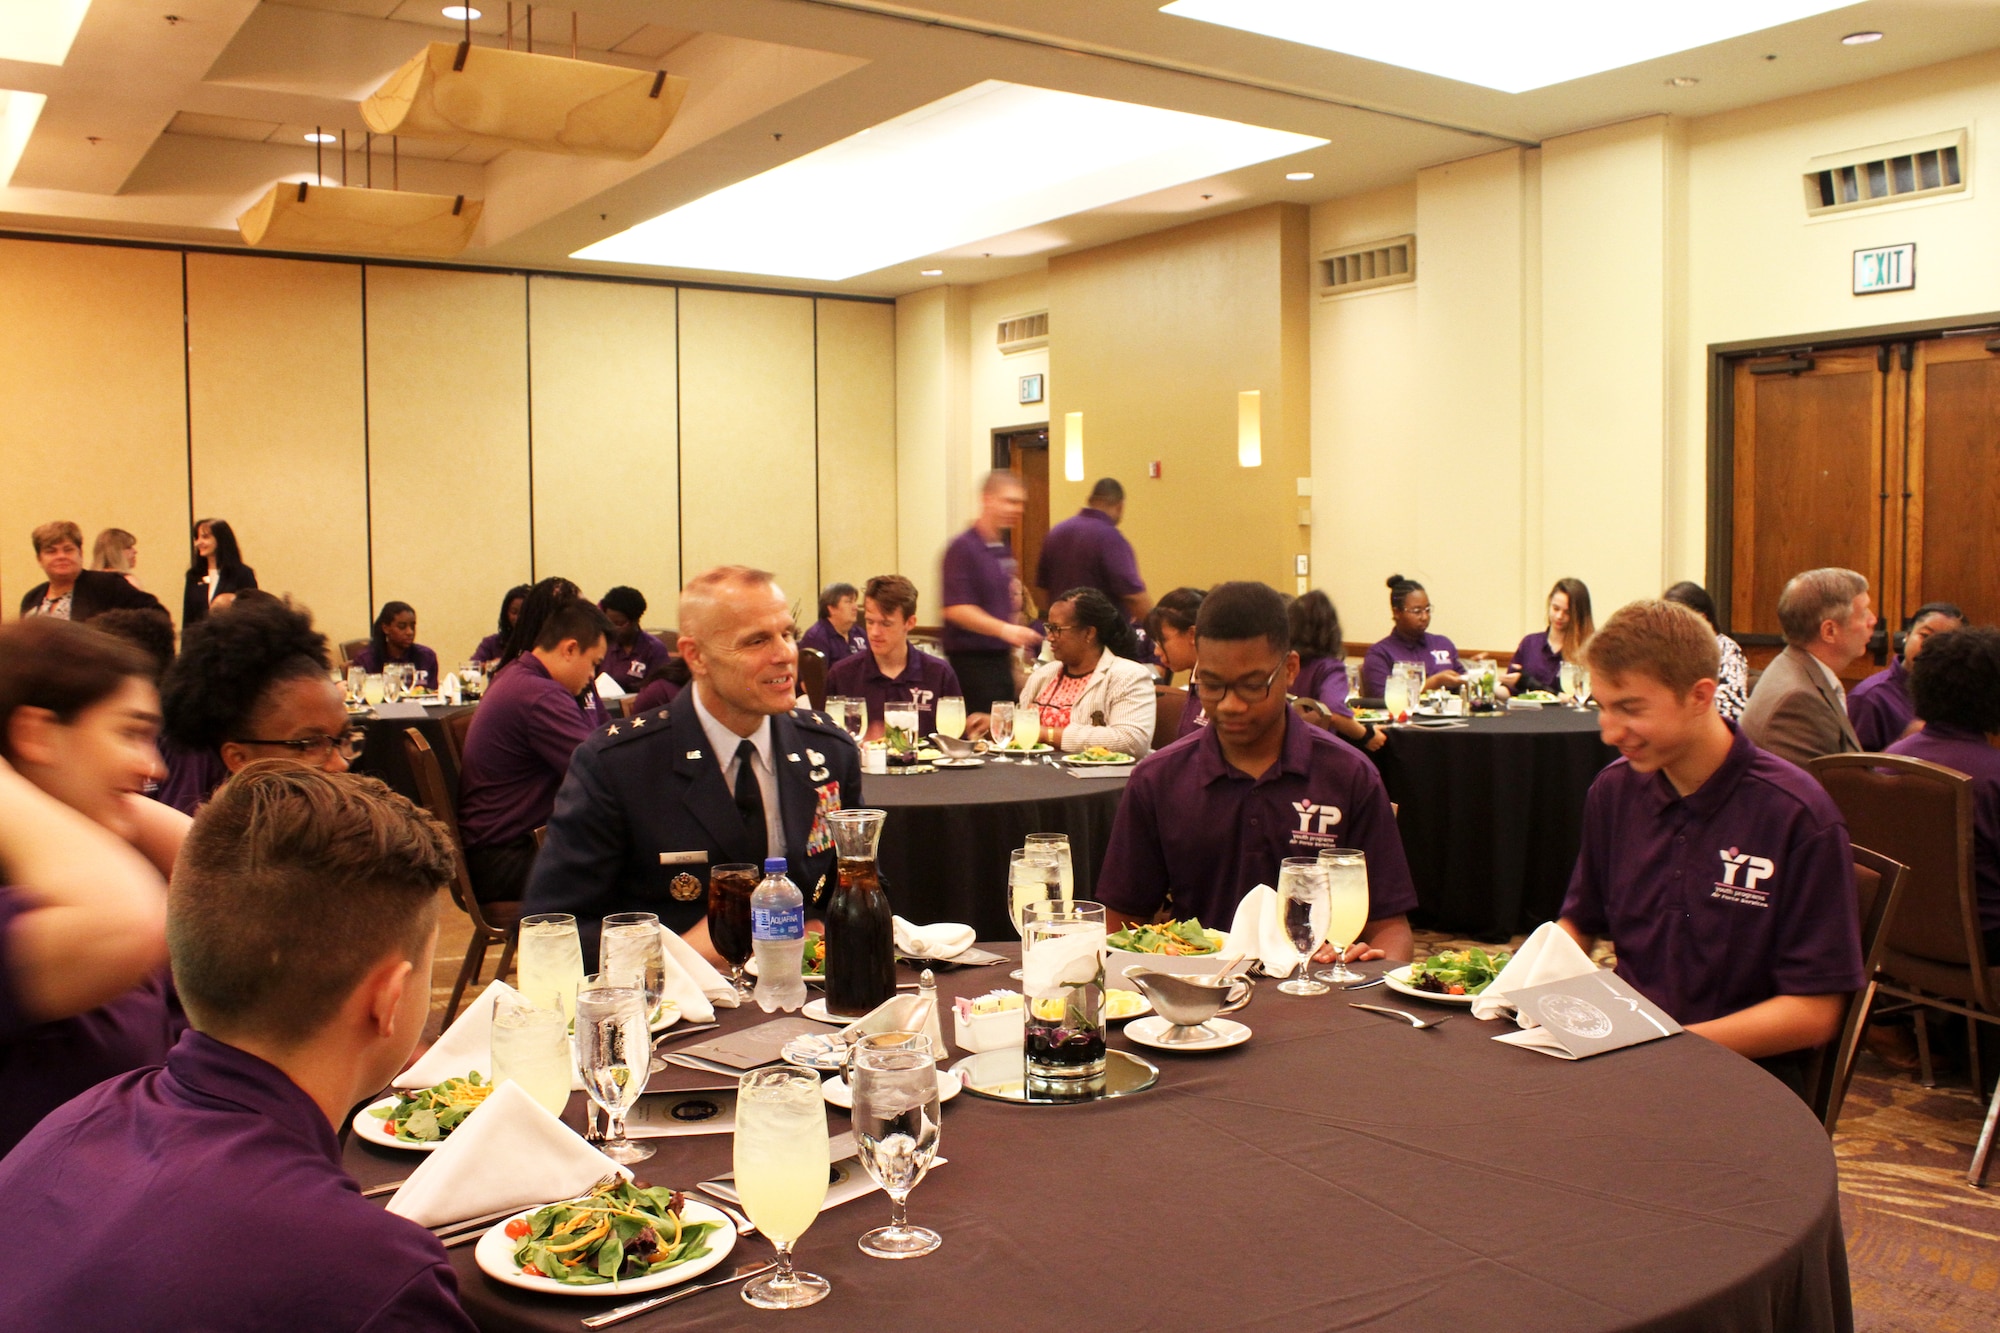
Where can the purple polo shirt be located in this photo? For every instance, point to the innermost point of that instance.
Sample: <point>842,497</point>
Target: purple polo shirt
<point>209,1195</point>
<point>1880,707</point>
<point>43,1065</point>
<point>1434,652</point>
<point>1197,833</point>
<point>1324,679</point>
<point>977,573</point>
<point>192,775</point>
<point>1968,752</point>
<point>1088,551</point>
<point>490,648</point>
<point>420,657</point>
<point>924,681</point>
<point>634,667</point>
<point>1194,714</point>
<point>1540,665</point>
<point>517,754</point>
<point>657,694</point>
<point>1741,890</point>
<point>833,645</point>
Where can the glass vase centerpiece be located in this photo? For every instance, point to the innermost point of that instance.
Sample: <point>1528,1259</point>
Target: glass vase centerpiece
<point>1062,986</point>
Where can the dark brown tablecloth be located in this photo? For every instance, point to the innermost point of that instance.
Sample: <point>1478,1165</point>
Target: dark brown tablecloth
<point>1337,1171</point>
<point>1492,815</point>
<point>945,843</point>
<point>382,748</point>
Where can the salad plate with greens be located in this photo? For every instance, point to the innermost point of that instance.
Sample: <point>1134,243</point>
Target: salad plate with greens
<point>422,1119</point>
<point>1449,976</point>
<point>620,1238</point>
<point>1171,939</point>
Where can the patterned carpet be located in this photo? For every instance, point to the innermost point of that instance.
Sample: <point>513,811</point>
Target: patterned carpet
<point>1923,1247</point>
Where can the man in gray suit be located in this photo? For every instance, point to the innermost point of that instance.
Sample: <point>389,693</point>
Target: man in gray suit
<point>1799,710</point>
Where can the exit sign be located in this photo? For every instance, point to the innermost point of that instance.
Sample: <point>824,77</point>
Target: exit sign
<point>1892,268</point>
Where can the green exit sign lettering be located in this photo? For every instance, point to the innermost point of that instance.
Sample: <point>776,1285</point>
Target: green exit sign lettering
<point>1890,268</point>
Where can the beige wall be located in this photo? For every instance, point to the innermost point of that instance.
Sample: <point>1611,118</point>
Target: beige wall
<point>934,475</point>
<point>857,442</point>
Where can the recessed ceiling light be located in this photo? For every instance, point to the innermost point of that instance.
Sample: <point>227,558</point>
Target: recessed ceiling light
<point>1682,81</point>
<point>1512,47</point>
<point>320,136</point>
<point>1860,38</point>
<point>40,33</point>
<point>943,176</point>
<point>1298,175</point>
<point>933,273</point>
<point>18,113</point>
<point>460,13</point>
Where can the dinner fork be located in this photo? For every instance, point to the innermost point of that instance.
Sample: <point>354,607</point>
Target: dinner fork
<point>1403,1014</point>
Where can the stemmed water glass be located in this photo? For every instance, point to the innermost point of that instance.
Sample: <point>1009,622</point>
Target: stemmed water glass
<point>1302,897</point>
<point>896,1125</point>
<point>1000,726</point>
<point>630,943</point>
<point>782,1158</point>
<point>1033,876</point>
<point>1055,845</point>
<point>614,1049</point>
<point>850,714</point>
<point>1347,907</point>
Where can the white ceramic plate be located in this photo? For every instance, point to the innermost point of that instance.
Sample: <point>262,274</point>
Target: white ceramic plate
<point>495,1255</point>
<point>1132,1003</point>
<point>1398,980</point>
<point>1039,747</point>
<point>1146,1031</point>
<point>817,1011</point>
<point>835,1089</point>
<point>1119,762</point>
<point>372,1127</point>
<point>958,763</point>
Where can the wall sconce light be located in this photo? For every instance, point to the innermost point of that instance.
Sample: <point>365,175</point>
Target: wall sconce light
<point>1250,428</point>
<point>1072,446</point>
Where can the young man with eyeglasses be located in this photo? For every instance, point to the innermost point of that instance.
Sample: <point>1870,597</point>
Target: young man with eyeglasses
<point>1210,817</point>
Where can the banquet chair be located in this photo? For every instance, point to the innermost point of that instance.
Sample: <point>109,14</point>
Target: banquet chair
<point>492,923</point>
<point>1878,892</point>
<point>456,726</point>
<point>812,676</point>
<point>349,650</point>
<point>1168,703</point>
<point>1313,711</point>
<point>1935,953</point>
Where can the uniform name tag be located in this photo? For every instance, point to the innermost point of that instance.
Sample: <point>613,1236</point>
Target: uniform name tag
<point>683,858</point>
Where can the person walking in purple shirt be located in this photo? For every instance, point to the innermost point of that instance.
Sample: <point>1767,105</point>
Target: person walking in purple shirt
<point>518,749</point>
<point>893,673</point>
<point>1088,551</point>
<point>209,1194</point>
<point>83,863</point>
<point>837,634</point>
<point>1210,817</point>
<point>1538,662</point>
<point>980,633</point>
<point>1880,707</point>
<point>393,639</point>
<point>632,657</point>
<point>1410,641</point>
<point>1721,873</point>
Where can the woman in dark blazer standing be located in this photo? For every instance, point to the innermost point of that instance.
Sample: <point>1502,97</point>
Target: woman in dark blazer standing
<point>216,568</point>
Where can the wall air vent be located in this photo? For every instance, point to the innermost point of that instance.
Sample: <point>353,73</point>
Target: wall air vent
<point>1023,333</point>
<point>1360,268</point>
<point>1886,173</point>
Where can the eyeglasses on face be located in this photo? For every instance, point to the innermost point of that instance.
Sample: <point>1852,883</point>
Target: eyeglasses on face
<point>311,748</point>
<point>1249,691</point>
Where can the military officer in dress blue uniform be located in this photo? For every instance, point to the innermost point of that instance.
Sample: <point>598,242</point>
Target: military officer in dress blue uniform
<point>729,772</point>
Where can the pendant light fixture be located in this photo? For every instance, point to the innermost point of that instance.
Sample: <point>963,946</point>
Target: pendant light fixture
<point>344,219</point>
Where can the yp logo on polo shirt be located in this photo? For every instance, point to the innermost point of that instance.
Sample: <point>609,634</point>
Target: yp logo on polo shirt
<point>1316,824</point>
<point>1755,869</point>
<point>1441,656</point>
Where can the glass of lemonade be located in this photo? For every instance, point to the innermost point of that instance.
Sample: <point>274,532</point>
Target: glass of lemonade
<point>1033,876</point>
<point>1057,846</point>
<point>1395,694</point>
<point>631,943</point>
<point>372,688</point>
<point>782,1159</point>
<point>549,962</point>
<point>951,716</point>
<point>896,1127</point>
<point>1347,906</point>
<point>1027,726</point>
<point>613,1052</point>
<point>532,1047</point>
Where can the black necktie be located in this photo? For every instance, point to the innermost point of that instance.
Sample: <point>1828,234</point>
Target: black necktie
<point>750,800</point>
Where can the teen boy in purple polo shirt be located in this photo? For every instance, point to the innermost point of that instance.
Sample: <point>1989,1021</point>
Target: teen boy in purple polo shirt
<point>893,673</point>
<point>1721,873</point>
<point>1410,641</point>
<point>979,630</point>
<point>1088,551</point>
<point>1956,685</point>
<point>209,1194</point>
<point>1880,707</point>
<point>1209,818</point>
<point>518,750</point>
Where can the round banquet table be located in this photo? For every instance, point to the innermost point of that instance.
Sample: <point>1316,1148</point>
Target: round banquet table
<point>1337,1171</point>
<point>944,845</point>
<point>382,747</point>
<point>1491,813</point>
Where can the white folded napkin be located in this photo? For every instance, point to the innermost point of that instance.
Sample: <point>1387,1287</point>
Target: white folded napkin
<point>1259,932</point>
<point>898,1013</point>
<point>691,982</point>
<point>510,1153</point>
<point>608,688</point>
<point>936,941</point>
<point>1547,955</point>
<point>464,1046</point>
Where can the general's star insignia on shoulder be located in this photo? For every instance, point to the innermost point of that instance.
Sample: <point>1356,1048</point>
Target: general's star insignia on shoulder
<point>611,730</point>
<point>638,721</point>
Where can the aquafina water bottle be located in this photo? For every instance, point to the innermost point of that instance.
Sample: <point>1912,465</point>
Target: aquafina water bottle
<point>778,930</point>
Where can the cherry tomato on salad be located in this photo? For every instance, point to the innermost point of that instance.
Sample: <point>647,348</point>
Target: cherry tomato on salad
<point>517,1228</point>
<point>533,1271</point>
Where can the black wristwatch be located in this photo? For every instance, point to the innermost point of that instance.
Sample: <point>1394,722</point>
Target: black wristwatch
<point>1368,733</point>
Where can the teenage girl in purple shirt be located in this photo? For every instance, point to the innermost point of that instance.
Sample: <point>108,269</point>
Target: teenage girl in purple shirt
<point>393,638</point>
<point>1410,641</point>
<point>1537,663</point>
<point>1316,638</point>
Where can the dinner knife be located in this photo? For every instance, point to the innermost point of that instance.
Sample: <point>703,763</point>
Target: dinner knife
<point>620,1313</point>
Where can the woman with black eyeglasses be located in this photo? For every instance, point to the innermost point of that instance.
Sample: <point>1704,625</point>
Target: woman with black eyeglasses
<point>1094,694</point>
<point>251,684</point>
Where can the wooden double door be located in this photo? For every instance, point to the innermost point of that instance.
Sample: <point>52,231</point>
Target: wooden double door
<point>1882,458</point>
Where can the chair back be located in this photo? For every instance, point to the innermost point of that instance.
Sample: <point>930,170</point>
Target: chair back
<point>1878,891</point>
<point>349,650</point>
<point>1313,711</point>
<point>1169,703</point>
<point>435,797</point>
<point>457,726</point>
<point>812,676</point>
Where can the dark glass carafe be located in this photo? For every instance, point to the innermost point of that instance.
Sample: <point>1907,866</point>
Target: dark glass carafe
<point>860,931</point>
